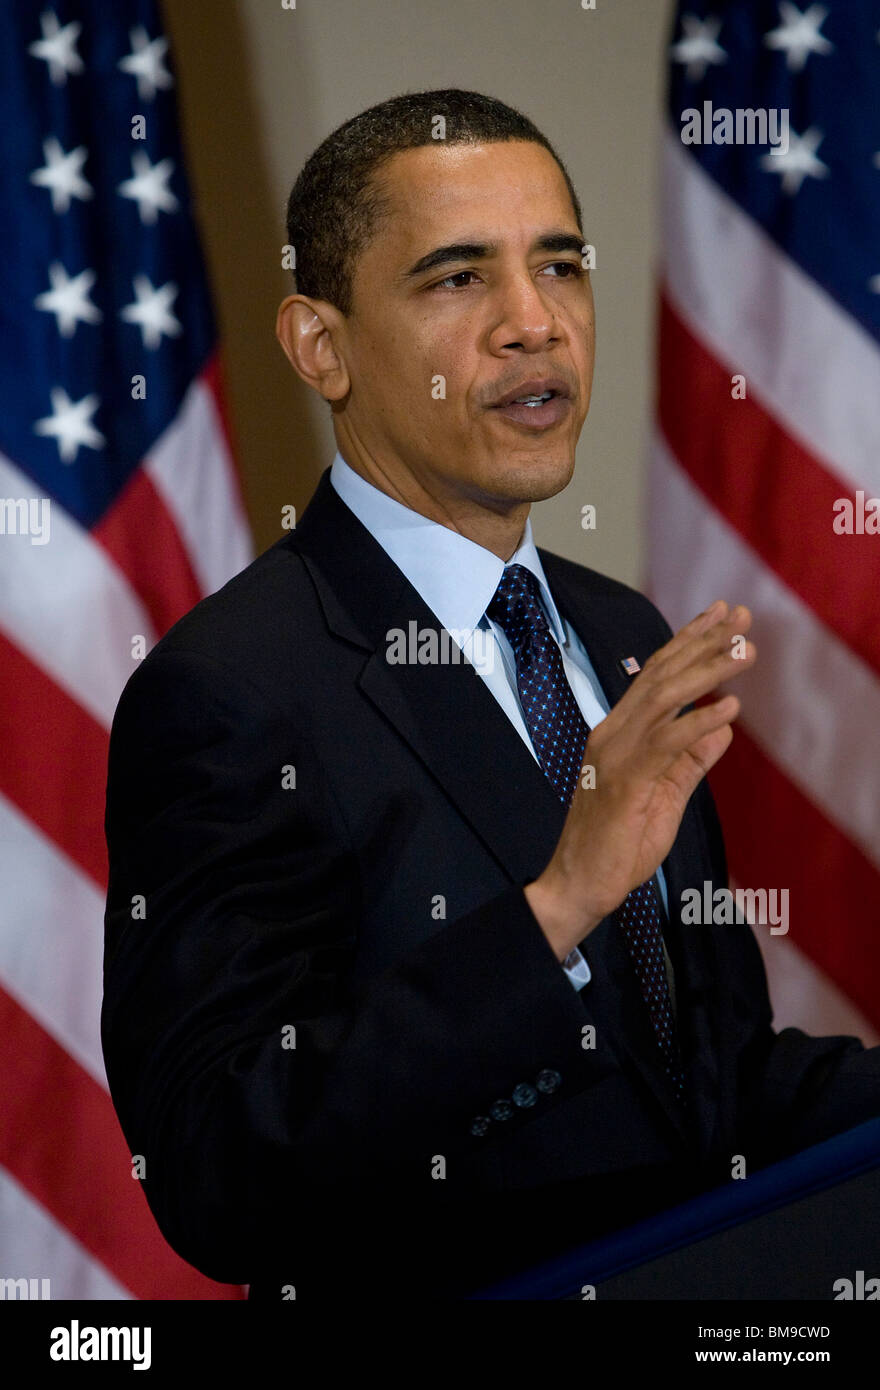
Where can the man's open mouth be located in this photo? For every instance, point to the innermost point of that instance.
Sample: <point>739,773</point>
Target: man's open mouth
<point>534,400</point>
<point>535,403</point>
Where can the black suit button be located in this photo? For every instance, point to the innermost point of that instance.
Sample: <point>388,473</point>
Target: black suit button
<point>548,1081</point>
<point>479,1126</point>
<point>524,1095</point>
<point>501,1110</point>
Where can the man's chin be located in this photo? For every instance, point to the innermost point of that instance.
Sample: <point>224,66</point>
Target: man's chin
<point>534,479</point>
<point>516,488</point>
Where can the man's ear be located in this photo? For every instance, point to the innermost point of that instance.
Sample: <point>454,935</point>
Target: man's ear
<point>310,332</point>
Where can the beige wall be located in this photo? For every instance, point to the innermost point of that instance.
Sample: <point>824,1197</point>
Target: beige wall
<point>260,86</point>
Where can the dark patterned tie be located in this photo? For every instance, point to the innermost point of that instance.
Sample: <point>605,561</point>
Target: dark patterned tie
<point>559,734</point>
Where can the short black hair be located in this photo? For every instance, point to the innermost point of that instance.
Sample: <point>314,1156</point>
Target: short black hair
<point>336,202</point>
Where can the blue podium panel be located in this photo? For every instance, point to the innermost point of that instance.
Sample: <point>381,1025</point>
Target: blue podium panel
<point>802,1250</point>
<point>807,1227</point>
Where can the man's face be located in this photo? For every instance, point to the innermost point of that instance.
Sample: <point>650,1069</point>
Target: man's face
<point>475,277</point>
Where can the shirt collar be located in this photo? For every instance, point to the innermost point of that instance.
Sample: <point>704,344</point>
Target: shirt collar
<point>456,577</point>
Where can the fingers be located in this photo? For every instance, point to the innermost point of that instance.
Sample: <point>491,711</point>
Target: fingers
<point>716,651</point>
<point>706,634</point>
<point>646,728</point>
<point>706,752</point>
<point>684,733</point>
<point>715,613</point>
<point>700,678</point>
<point>691,766</point>
<point>692,734</point>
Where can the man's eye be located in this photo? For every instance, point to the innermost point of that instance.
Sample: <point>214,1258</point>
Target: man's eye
<point>448,282</point>
<point>571,268</point>
<point>562,270</point>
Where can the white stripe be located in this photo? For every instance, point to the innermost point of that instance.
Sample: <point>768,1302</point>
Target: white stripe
<point>809,362</point>
<point>36,1246</point>
<point>51,939</point>
<point>68,607</point>
<point>192,471</point>
<point>803,997</point>
<point>809,702</point>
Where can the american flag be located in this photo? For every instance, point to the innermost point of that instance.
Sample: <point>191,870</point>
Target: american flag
<point>766,459</point>
<point>119,508</point>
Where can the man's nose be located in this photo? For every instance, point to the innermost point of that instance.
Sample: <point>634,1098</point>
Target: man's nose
<point>525,317</point>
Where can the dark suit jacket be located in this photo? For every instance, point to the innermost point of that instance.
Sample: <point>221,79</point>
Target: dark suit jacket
<point>318,907</point>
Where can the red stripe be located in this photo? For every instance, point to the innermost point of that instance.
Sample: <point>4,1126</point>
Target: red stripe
<point>61,1140</point>
<point>776,838</point>
<point>55,763</point>
<point>140,534</point>
<point>776,494</point>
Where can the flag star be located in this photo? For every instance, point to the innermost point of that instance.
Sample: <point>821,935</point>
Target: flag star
<point>70,424</point>
<point>798,161</point>
<point>151,311</point>
<point>57,48</point>
<point>699,48</point>
<point>874,284</point>
<point>798,35</point>
<point>68,299</point>
<point>145,63</point>
<point>61,174</point>
<point>877,160</point>
<point>148,187</point>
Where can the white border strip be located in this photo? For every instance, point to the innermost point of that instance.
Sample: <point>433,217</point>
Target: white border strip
<point>51,939</point>
<point>191,469</point>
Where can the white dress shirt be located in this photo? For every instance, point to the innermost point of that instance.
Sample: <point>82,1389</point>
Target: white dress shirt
<point>457,580</point>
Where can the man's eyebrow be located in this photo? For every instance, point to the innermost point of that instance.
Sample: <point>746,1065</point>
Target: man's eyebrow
<point>560,241</point>
<point>482,250</point>
<point>455,251</point>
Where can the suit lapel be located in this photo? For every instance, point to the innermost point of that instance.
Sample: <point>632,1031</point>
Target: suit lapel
<point>445,712</point>
<point>454,725</point>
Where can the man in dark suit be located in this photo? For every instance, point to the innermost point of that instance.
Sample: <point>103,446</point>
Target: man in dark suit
<point>411,1003</point>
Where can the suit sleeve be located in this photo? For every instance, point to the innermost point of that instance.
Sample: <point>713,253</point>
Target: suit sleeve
<point>243,1065</point>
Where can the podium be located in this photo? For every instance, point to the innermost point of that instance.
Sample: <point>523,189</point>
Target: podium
<point>807,1227</point>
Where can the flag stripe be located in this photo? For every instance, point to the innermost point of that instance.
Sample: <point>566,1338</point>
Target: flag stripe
<point>192,472</point>
<point>42,885</point>
<point>60,749</point>
<point>833,908</point>
<point>737,467</point>
<point>36,1246</point>
<point>813,367</point>
<point>803,676</point>
<point>141,536</point>
<point>91,657</point>
<point>804,997</point>
<point>92,1193</point>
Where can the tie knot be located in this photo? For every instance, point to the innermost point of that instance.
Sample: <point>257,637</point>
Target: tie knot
<point>516,605</point>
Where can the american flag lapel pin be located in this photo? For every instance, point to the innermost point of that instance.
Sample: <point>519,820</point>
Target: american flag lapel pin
<point>630,665</point>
